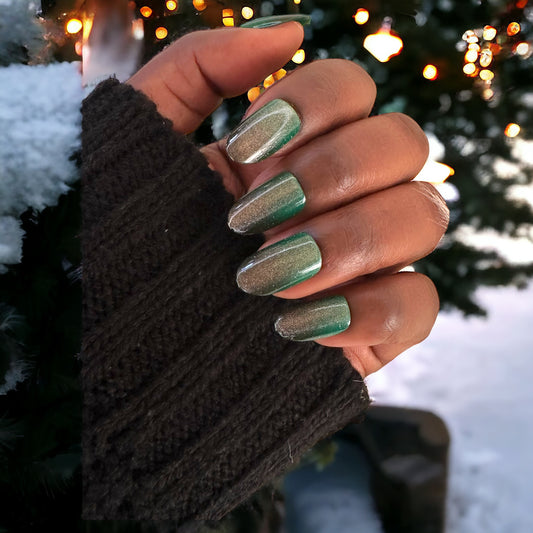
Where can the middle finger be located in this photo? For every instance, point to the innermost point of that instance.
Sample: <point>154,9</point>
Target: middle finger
<point>383,231</point>
<point>332,170</point>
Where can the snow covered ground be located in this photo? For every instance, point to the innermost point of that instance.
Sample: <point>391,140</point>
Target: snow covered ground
<point>477,374</point>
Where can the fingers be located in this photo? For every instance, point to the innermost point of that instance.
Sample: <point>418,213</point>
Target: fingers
<point>373,321</point>
<point>189,79</point>
<point>332,170</point>
<point>383,231</point>
<point>313,100</point>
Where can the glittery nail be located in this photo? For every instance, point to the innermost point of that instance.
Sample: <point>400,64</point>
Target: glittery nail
<point>263,133</point>
<point>266,22</point>
<point>315,320</point>
<point>280,265</point>
<point>270,204</point>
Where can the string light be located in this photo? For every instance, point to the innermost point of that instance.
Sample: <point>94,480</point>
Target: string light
<point>199,5</point>
<point>74,26</point>
<point>281,73</point>
<point>485,58</point>
<point>297,1</point>
<point>361,16</point>
<point>172,5</point>
<point>489,32</point>
<point>513,28</point>
<point>512,130</point>
<point>161,32</point>
<point>430,72</point>
<point>247,12</point>
<point>299,56</point>
<point>227,17</point>
<point>470,69</point>
<point>470,36</point>
<point>522,49</point>
<point>486,75</point>
<point>471,55</point>
<point>268,81</point>
<point>383,45</point>
<point>254,93</point>
<point>146,11</point>
<point>487,94</point>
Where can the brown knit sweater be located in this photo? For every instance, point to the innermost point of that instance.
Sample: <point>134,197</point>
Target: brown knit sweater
<point>191,401</point>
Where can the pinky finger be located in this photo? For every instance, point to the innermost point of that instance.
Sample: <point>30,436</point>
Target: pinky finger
<point>373,320</point>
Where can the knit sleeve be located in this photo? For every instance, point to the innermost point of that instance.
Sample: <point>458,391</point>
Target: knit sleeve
<point>191,401</point>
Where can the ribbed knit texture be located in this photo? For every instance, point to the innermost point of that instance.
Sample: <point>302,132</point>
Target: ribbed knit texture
<point>191,401</point>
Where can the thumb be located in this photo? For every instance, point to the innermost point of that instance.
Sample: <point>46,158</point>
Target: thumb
<point>188,80</point>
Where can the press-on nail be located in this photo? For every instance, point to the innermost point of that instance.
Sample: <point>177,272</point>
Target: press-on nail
<point>280,265</point>
<point>263,133</point>
<point>265,22</point>
<point>315,320</point>
<point>270,204</point>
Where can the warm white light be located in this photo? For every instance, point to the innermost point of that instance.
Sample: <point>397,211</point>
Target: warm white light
<point>522,49</point>
<point>161,32</point>
<point>487,94</point>
<point>172,5</point>
<point>361,16</point>
<point>489,32</point>
<point>146,11</point>
<point>383,45</point>
<point>74,26</point>
<point>227,17</point>
<point>486,75</point>
<point>254,93</point>
<point>297,1</point>
<point>512,129</point>
<point>485,58</point>
<point>200,5</point>
<point>471,55</point>
<point>430,72</point>
<point>299,56</point>
<point>247,12</point>
<point>470,69</point>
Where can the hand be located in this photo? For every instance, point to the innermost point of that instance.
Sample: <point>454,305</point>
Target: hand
<point>362,220</point>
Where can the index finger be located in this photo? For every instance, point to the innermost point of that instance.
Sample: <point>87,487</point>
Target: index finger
<point>312,101</point>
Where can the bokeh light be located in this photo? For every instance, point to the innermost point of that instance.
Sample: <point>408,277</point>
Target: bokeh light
<point>74,26</point>
<point>161,32</point>
<point>430,72</point>
<point>361,16</point>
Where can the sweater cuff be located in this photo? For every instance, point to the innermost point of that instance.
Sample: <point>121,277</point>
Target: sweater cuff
<point>191,402</point>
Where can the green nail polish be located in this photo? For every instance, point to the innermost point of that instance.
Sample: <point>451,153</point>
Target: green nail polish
<point>280,265</point>
<point>315,320</point>
<point>273,202</point>
<point>266,22</point>
<point>263,133</point>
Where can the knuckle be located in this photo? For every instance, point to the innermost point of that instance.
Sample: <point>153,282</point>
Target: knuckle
<point>334,73</point>
<point>412,135</point>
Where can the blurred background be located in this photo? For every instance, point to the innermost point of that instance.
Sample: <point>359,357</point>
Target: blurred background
<point>461,69</point>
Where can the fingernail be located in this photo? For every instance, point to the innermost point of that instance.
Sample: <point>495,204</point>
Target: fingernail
<point>270,204</point>
<point>266,22</point>
<point>315,320</point>
<point>280,265</point>
<point>263,133</point>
